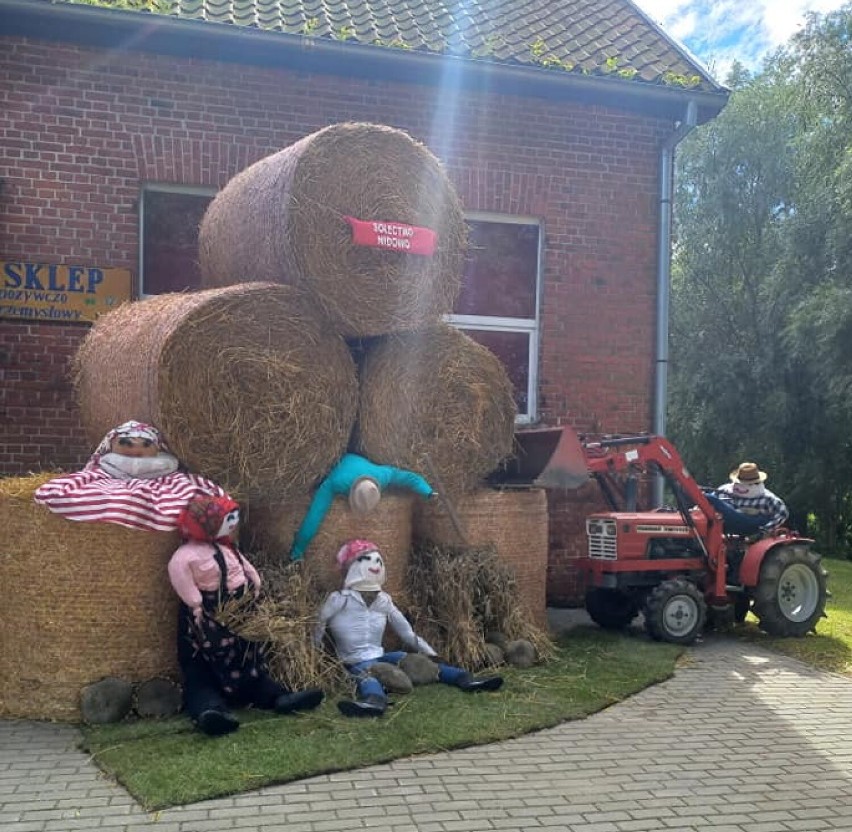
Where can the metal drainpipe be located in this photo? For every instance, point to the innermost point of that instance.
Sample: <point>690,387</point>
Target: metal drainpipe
<point>661,365</point>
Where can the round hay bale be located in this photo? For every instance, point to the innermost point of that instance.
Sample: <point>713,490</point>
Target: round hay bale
<point>436,392</point>
<point>514,523</point>
<point>246,383</point>
<point>270,530</point>
<point>283,220</point>
<point>82,601</point>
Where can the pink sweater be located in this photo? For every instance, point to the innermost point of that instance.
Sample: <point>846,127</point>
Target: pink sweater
<point>193,569</point>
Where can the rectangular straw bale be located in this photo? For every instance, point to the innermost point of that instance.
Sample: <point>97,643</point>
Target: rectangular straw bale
<point>514,521</point>
<point>81,601</point>
<point>271,531</point>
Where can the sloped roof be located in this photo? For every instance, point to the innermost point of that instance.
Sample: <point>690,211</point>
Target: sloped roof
<point>600,52</point>
<point>597,37</point>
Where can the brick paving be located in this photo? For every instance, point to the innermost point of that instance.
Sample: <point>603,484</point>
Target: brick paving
<point>739,740</point>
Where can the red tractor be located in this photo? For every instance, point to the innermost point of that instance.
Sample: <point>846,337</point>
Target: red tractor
<point>676,566</point>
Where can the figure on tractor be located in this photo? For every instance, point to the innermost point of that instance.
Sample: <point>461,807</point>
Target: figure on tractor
<point>706,558</point>
<point>747,506</point>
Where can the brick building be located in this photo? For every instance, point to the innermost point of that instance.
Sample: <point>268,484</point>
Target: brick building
<point>556,120</point>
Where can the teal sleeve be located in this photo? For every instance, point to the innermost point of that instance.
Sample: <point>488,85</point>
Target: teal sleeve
<point>410,480</point>
<point>316,513</point>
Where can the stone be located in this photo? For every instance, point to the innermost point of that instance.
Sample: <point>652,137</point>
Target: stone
<point>419,668</point>
<point>393,679</point>
<point>520,653</point>
<point>107,700</point>
<point>157,698</point>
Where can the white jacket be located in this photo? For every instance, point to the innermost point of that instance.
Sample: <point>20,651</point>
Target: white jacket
<point>358,630</point>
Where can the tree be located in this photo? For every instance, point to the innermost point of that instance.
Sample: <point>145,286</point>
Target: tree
<point>761,305</point>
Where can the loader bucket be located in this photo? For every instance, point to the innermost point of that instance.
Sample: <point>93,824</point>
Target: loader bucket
<point>549,458</point>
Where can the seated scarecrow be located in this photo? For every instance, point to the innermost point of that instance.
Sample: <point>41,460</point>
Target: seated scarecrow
<point>357,615</point>
<point>363,481</point>
<point>131,479</point>
<point>220,669</point>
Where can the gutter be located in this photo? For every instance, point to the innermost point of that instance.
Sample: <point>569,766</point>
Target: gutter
<point>664,261</point>
<point>163,34</point>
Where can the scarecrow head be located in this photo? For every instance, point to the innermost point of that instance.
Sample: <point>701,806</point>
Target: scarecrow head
<point>362,565</point>
<point>209,519</point>
<point>748,480</point>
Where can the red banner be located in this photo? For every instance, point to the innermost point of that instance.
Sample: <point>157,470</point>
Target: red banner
<point>393,236</point>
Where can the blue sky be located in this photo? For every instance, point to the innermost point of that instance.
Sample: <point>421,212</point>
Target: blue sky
<point>718,32</point>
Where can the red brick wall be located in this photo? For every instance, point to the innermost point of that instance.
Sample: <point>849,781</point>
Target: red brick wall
<point>81,129</point>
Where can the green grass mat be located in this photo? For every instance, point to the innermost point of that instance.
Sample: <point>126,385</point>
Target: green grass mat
<point>168,763</point>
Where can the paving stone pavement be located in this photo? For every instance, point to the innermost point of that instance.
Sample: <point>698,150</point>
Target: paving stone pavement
<point>739,740</point>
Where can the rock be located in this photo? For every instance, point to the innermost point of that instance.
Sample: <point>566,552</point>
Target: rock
<point>520,653</point>
<point>108,700</point>
<point>494,655</point>
<point>157,698</point>
<point>392,678</point>
<point>498,638</point>
<point>419,668</point>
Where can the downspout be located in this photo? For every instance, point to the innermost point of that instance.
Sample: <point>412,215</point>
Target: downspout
<point>664,261</point>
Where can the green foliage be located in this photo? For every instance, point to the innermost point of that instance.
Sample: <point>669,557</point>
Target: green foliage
<point>677,79</point>
<point>167,763</point>
<point>761,311</point>
<point>344,33</point>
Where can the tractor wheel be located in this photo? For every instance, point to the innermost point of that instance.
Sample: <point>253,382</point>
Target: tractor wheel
<point>675,611</point>
<point>790,595</point>
<point>610,608</point>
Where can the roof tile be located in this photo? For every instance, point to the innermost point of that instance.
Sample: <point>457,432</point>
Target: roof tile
<point>607,37</point>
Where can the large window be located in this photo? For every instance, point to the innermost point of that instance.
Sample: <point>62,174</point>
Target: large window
<point>498,304</point>
<point>169,216</point>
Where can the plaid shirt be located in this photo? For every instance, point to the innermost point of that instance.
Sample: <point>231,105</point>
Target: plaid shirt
<point>768,504</point>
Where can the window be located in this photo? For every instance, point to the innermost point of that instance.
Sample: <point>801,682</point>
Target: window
<point>169,217</point>
<point>498,304</point>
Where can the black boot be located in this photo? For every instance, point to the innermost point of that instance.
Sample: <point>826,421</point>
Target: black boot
<point>215,723</point>
<point>368,706</point>
<point>471,684</point>
<point>303,700</point>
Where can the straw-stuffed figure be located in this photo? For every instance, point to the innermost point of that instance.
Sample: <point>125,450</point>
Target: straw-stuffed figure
<point>363,481</point>
<point>220,669</point>
<point>357,616</point>
<point>131,479</point>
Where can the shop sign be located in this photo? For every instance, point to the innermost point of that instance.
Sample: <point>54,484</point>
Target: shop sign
<point>47,292</point>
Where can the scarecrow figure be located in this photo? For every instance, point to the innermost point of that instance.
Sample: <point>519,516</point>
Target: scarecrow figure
<point>219,667</point>
<point>746,505</point>
<point>364,482</point>
<point>131,479</point>
<point>357,615</point>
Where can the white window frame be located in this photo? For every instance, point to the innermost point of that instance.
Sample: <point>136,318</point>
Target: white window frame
<point>531,326</point>
<point>168,188</point>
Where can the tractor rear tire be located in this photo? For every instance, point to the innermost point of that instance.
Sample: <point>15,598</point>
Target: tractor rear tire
<point>611,609</point>
<point>675,611</point>
<point>791,592</point>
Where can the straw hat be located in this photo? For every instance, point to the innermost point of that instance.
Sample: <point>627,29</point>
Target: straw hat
<point>748,474</point>
<point>364,495</point>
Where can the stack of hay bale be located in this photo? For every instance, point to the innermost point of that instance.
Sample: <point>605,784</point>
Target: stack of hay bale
<point>303,344</point>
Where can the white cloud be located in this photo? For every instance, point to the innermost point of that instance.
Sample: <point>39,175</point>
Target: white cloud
<point>721,31</point>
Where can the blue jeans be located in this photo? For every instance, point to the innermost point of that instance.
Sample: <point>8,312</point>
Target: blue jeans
<point>370,686</point>
<point>734,521</point>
